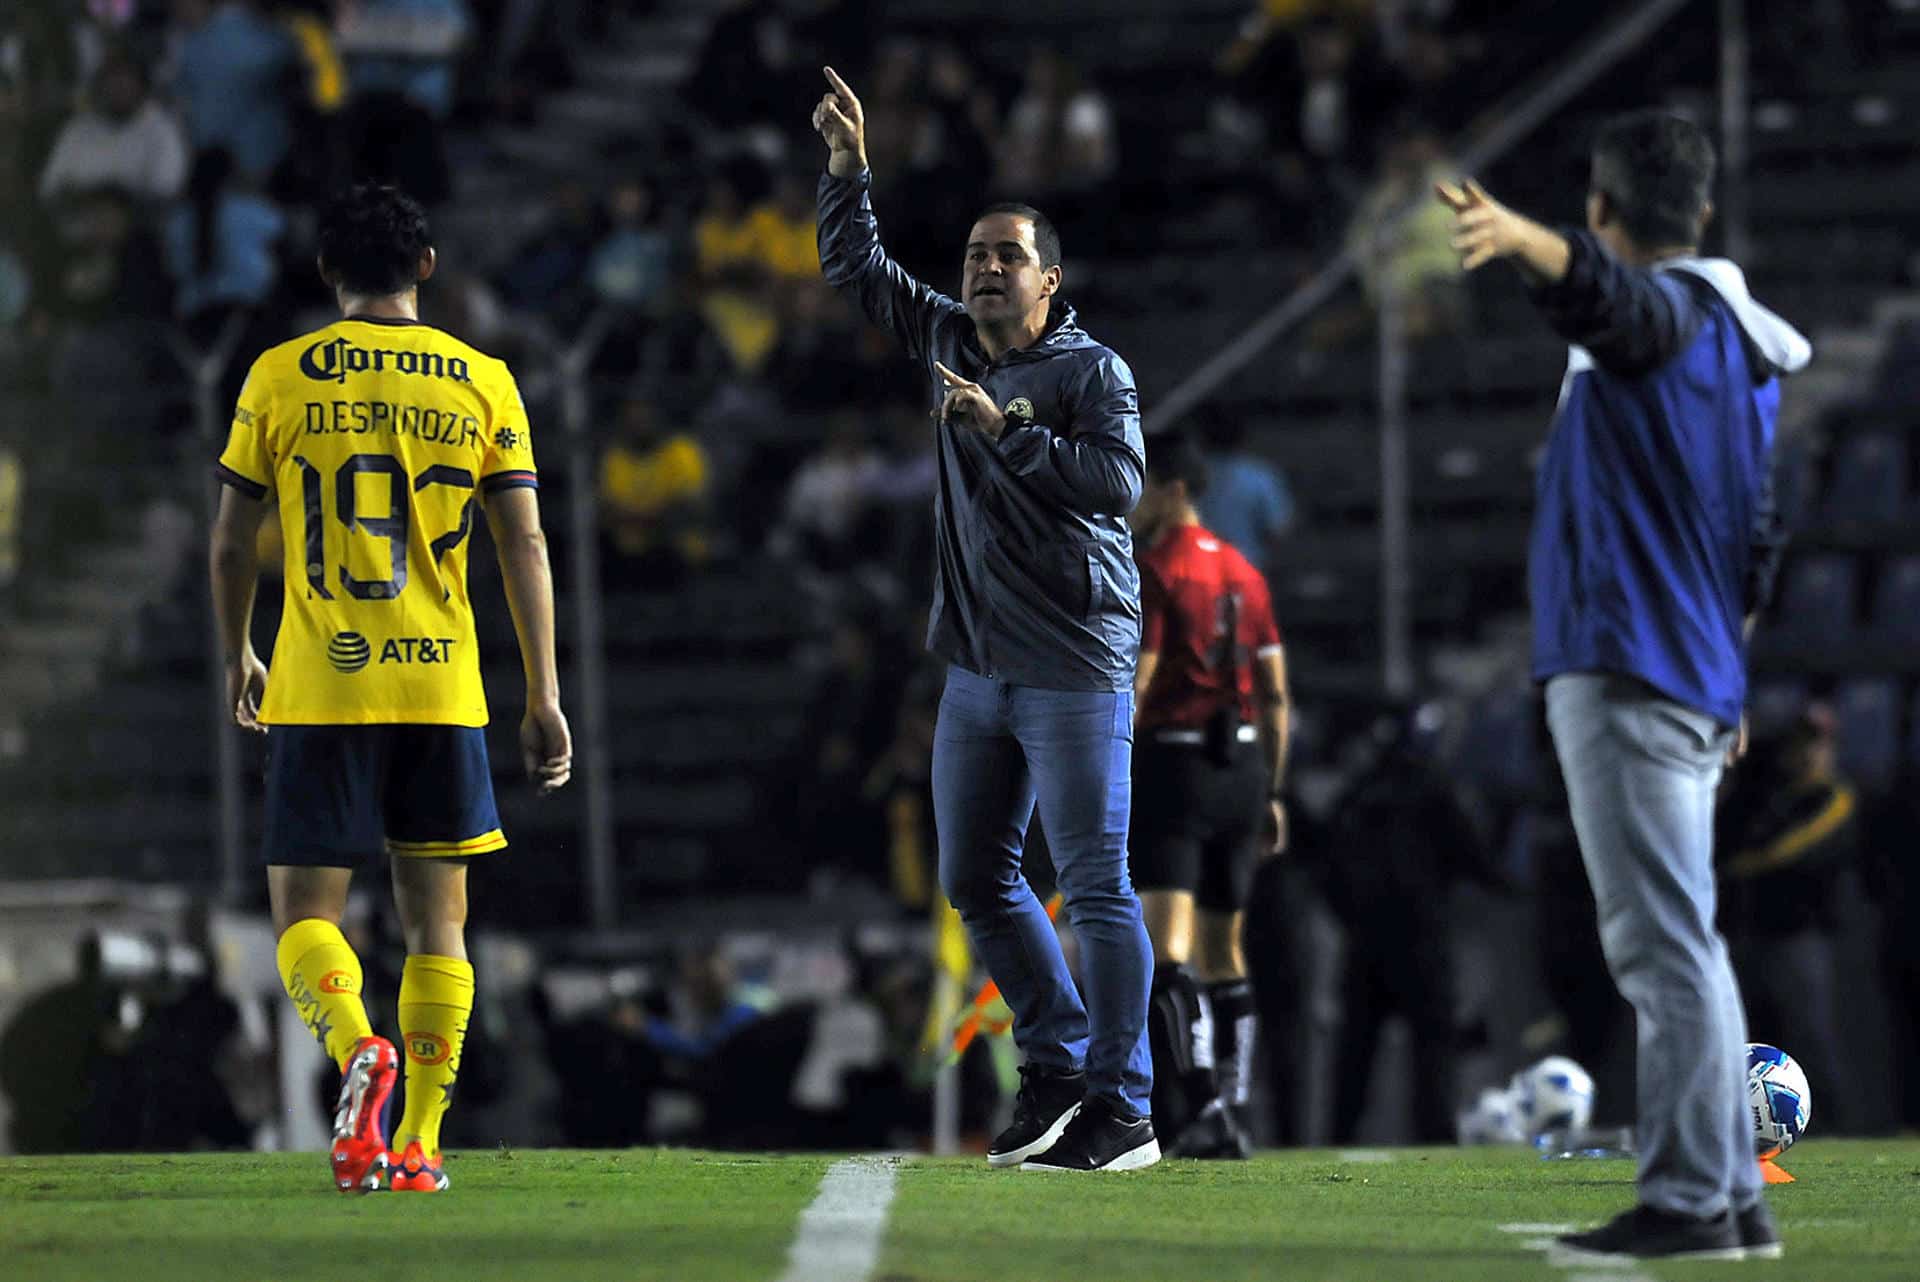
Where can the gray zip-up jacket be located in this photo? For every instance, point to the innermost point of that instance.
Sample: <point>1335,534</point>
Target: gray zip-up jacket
<point>1034,581</point>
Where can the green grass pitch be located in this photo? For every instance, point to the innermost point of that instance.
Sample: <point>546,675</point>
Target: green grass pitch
<point>675,1216</point>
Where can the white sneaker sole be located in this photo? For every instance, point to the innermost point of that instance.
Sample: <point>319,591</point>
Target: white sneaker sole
<point>1134,1159</point>
<point>1048,1138</point>
<point>1771,1251</point>
<point>1562,1257</point>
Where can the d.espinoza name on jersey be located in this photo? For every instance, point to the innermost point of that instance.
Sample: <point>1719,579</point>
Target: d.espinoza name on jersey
<point>331,361</point>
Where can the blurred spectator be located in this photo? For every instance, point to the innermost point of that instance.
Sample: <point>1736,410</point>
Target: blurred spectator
<point>405,47</point>
<point>829,495</point>
<point>654,498</point>
<point>109,268</point>
<point>1398,839</point>
<point>1417,259</point>
<point>221,241</point>
<point>1272,20</point>
<point>544,274</point>
<point>1248,502</point>
<point>782,230</point>
<point>233,70</point>
<point>735,267</point>
<point>714,1007</point>
<point>1059,136</point>
<point>633,264</point>
<point>763,56</point>
<point>1788,832</point>
<point>123,138</point>
<point>390,138</point>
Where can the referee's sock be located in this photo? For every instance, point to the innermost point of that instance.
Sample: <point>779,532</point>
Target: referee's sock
<point>1180,1031</point>
<point>1234,1037</point>
<point>321,973</point>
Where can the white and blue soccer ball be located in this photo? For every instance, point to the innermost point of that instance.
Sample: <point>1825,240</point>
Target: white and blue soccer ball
<point>1777,1097</point>
<point>1494,1118</point>
<point>1555,1095</point>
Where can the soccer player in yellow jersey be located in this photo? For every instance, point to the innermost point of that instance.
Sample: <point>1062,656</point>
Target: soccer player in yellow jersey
<point>372,439</point>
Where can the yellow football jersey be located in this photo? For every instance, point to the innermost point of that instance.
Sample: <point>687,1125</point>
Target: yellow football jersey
<point>374,436</point>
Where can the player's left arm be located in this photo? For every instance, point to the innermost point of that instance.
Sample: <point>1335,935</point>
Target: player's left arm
<point>1094,464</point>
<point>233,565</point>
<point>1631,320</point>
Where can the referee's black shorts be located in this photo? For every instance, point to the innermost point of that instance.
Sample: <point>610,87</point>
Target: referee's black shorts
<point>1197,823</point>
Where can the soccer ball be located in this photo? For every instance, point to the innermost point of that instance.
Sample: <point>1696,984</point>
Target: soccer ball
<point>1554,1095</point>
<point>1493,1119</point>
<point>1778,1098</point>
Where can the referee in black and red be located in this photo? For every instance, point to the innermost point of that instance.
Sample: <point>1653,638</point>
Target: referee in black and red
<point>1210,759</point>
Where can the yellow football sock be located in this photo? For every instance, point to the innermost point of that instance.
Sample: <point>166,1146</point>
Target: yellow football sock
<point>436,997</point>
<point>322,975</point>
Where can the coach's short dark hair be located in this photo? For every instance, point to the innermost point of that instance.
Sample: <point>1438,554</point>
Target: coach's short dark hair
<point>1174,456</point>
<point>1657,170</point>
<point>372,238</point>
<point>1046,237</point>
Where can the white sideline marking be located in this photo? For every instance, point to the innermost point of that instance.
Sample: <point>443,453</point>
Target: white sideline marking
<point>1364,1155</point>
<point>1531,1229</point>
<point>839,1235</point>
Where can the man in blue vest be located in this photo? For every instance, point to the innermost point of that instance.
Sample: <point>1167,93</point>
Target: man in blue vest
<point>1036,608</point>
<point>1654,543</point>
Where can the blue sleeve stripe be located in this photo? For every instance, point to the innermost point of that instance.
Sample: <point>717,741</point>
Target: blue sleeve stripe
<point>522,479</point>
<point>246,485</point>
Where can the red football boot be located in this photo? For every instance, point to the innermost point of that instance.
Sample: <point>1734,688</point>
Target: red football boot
<point>360,1154</point>
<point>413,1173</point>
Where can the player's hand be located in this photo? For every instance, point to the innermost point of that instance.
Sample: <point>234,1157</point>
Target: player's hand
<point>1276,828</point>
<point>246,687</point>
<point>1483,228</point>
<point>546,747</point>
<point>969,403</point>
<point>842,122</point>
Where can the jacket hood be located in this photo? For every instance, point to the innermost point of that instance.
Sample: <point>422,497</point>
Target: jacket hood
<point>1782,346</point>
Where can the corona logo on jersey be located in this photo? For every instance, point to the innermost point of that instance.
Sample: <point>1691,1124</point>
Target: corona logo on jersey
<point>348,652</point>
<point>1019,408</point>
<point>427,1048</point>
<point>338,981</point>
<point>332,360</point>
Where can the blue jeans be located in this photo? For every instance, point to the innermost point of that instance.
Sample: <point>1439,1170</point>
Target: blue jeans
<point>998,748</point>
<point>1641,772</point>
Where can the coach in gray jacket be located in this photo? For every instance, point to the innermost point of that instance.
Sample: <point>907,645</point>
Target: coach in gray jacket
<point>1036,608</point>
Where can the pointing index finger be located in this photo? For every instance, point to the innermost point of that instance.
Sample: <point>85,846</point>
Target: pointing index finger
<point>953,379</point>
<point>840,86</point>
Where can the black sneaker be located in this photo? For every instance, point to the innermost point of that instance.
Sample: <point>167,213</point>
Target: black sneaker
<point>1047,1101</point>
<point>1759,1235</point>
<point>1645,1233</point>
<point>1214,1136</point>
<point>1100,1139</point>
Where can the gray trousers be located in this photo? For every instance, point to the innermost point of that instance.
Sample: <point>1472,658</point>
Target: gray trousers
<point>1641,771</point>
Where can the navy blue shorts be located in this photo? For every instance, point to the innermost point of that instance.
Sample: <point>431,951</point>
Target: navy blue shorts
<point>338,795</point>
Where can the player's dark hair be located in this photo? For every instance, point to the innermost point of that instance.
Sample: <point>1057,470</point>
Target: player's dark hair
<point>1046,237</point>
<point>372,238</point>
<point>1656,169</point>
<point>1174,456</point>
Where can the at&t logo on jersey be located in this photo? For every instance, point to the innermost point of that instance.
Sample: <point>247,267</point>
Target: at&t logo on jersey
<point>349,652</point>
<point>331,361</point>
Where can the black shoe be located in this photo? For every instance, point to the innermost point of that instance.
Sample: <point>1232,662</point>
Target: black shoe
<point>1648,1234</point>
<point>1047,1101</point>
<point>1100,1139</point>
<point>1215,1136</point>
<point>1759,1235</point>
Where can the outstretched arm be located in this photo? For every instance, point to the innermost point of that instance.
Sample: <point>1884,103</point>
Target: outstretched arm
<point>1631,320</point>
<point>851,256</point>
